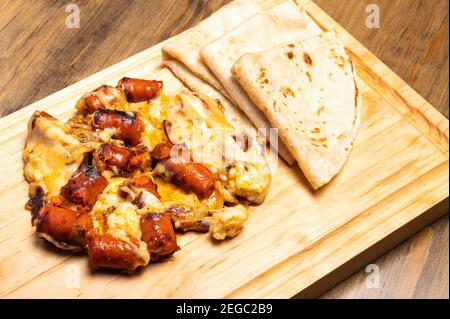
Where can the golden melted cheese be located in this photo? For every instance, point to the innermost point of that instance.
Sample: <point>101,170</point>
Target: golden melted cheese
<point>227,221</point>
<point>123,222</point>
<point>108,199</point>
<point>199,123</point>
<point>51,154</point>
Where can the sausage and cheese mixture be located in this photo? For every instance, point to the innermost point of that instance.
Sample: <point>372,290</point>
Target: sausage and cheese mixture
<point>132,166</point>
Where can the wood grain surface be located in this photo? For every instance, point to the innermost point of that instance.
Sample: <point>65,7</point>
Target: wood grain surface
<point>39,55</point>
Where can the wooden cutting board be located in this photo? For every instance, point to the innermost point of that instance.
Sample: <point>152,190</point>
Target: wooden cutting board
<point>299,242</point>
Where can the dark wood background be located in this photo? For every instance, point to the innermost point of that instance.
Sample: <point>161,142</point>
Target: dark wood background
<point>39,56</point>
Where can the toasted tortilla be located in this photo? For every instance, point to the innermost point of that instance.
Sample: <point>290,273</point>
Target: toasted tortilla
<point>285,22</point>
<point>186,48</point>
<point>308,90</point>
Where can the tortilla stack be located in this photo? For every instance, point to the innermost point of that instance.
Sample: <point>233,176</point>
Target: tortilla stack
<point>285,22</point>
<point>308,90</point>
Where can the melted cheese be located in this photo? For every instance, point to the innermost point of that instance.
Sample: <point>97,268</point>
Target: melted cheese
<point>51,154</point>
<point>200,124</point>
<point>202,127</point>
<point>227,222</point>
<point>108,198</point>
<point>124,223</point>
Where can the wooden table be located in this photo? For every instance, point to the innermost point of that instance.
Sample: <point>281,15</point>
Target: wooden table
<point>40,55</point>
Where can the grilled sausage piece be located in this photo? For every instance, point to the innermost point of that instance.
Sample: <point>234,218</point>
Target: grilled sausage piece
<point>106,251</point>
<point>192,177</point>
<point>63,223</point>
<point>84,187</point>
<point>101,97</point>
<point>137,90</point>
<point>161,151</point>
<point>118,159</point>
<point>159,235</point>
<point>128,126</point>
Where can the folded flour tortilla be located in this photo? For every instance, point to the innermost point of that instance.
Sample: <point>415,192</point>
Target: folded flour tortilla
<point>308,90</point>
<point>186,48</point>
<point>285,22</point>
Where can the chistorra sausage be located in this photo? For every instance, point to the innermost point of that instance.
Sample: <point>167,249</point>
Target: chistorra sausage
<point>159,235</point>
<point>84,187</point>
<point>64,224</point>
<point>118,159</point>
<point>101,97</point>
<point>128,126</point>
<point>192,177</point>
<point>138,90</point>
<point>107,251</point>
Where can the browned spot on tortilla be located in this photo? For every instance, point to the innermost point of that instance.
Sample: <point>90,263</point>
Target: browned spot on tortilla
<point>291,45</point>
<point>266,81</point>
<point>315,130</point>
<point>307,58</point>
<point>320,110</point>
<point>290,55</point>
<point>261,75</point>
<point>325,145</point>
<point>309,76</point>
<point>320,140</point>
<point>275,107</point>
<point>356,100</point>
<point>287,91</point>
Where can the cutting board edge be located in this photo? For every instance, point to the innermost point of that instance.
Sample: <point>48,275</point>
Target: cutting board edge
<point>377,250</point>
